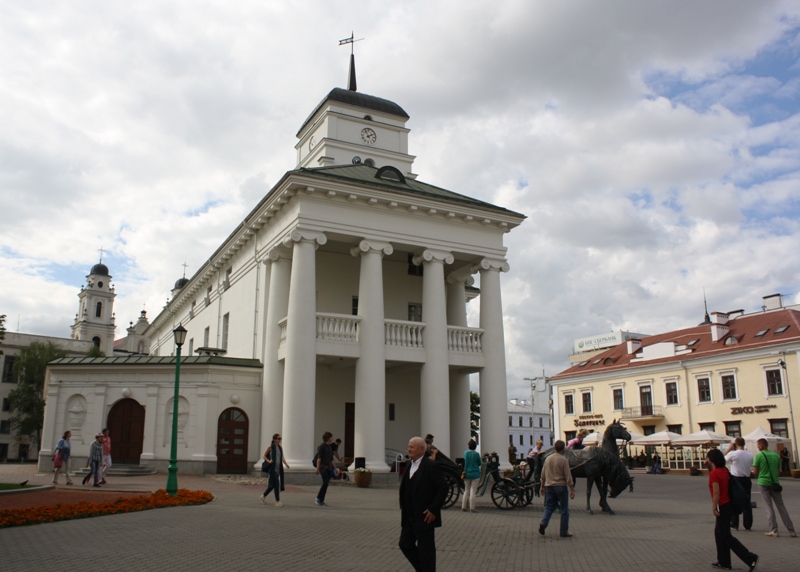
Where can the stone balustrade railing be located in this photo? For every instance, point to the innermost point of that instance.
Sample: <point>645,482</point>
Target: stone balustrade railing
<point>337,327</point>
<point>404,334</point>
<point>464,339</point>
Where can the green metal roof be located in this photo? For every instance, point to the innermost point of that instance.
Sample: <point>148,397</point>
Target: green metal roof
<point>157,360</point>
<point>366,175</point>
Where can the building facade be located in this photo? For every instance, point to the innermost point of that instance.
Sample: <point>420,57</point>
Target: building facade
<point>526,425</point>
<point>348,285</point>
<point>731,374</point>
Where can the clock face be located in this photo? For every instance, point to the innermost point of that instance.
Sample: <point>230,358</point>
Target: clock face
<point>368,136</point>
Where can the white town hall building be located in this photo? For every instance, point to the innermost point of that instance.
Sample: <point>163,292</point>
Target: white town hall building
<point>338,304</point>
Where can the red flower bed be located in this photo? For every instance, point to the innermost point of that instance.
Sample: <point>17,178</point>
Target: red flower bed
<point>159,499</point>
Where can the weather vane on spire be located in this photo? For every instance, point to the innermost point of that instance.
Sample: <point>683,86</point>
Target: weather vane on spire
<point>351,82</point>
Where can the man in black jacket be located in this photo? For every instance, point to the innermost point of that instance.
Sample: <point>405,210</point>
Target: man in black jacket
<point>423,491</point>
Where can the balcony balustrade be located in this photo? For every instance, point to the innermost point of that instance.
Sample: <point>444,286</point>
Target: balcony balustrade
<point>464,339</point>
<point>643,412</point>
<point>337,327</point>
<point>404,334</point>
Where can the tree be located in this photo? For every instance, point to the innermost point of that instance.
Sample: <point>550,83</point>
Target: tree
<point>474,414</point>
<point>95,351</point>
<point>27,399</point>
<point>2,329</point>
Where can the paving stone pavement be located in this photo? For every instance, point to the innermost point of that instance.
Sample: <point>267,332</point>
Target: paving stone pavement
<point>664,525</point>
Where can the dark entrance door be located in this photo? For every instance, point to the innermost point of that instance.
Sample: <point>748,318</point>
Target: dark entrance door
<point>232,442</point>
<point>126,429</point>
<point>349,429</point>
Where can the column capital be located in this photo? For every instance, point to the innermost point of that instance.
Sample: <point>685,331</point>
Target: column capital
<point>297,235</point>
<point>462,275</point>
<point>280,252</point>
<point>491,264</point>
<point>365,246</point>
<point>429,255</point>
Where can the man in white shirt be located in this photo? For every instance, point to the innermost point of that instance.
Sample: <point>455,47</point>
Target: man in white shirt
<point>741,464</point>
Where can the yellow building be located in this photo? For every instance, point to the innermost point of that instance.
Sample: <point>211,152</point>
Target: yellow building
<point>731,374</point>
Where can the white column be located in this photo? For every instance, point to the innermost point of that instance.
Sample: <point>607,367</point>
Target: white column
<point>370,422</point>
<point>299,387</point>
<point>272,383</point>
<point>434,379</point>
<point>493,392</point>
<point>150,419</point>
<point>459,380</point>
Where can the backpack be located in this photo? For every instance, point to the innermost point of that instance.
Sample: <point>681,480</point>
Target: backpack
<point>314,462</point>
<point>737,495</point>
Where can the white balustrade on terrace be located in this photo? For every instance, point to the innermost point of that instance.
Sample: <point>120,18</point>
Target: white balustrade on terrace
<point>404,334</point>
<point>464,339</point>
<point>282,323</point>
<point>337,327</point>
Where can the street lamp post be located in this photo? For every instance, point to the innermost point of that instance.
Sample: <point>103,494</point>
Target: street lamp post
<point>172,477</point>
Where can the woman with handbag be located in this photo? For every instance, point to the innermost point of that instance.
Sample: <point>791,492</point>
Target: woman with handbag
<point>61,458</point>
<point>274,461</point>
<point>766,465</point>
<point>721,506</point>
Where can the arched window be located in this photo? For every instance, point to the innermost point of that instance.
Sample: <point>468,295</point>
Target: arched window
<point>98,310</point>
<point>96,341</point>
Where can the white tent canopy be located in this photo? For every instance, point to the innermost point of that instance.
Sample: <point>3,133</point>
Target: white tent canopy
<point>660,438</point>
<point>702,438</point>
<point>751,440</point>
<point>596,438</point>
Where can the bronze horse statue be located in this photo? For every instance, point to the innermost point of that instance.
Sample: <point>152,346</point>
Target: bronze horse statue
<point>600,466</point>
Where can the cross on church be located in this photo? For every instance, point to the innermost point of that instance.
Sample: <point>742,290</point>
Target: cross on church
<point>101,251</point>
<point>184,269</point>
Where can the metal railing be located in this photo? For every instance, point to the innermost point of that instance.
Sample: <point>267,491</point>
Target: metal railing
<point>643,411</point>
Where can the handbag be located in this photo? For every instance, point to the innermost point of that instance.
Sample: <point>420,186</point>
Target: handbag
<point>774,487</point>
<point>265,466</point>
<point>58,461</point>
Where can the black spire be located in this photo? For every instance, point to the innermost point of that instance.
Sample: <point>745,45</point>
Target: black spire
<point>351,81</point>
<point>707,319</point>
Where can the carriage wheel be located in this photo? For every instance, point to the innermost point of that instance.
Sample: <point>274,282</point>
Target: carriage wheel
<point>504,494</point>
<point>453,491</point>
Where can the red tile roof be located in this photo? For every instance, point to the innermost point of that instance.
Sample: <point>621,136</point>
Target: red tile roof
<point>743,329</point>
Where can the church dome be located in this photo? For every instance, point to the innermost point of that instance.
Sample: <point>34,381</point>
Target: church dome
<point>181,283</point>
<point>100,270</point>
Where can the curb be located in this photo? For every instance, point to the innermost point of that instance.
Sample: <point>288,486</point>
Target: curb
<point>34,489</point>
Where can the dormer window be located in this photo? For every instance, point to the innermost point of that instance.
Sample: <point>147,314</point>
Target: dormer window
<point>369,162</point>
<point>693,342</point>
<point>388,173</point>
<point>368,117</point>
<point>598,360</point>
<point>759,333</point>
<point>781,329</point>
<point>731,340</point>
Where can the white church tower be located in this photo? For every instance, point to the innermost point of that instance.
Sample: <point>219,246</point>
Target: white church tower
<point>95,318</point>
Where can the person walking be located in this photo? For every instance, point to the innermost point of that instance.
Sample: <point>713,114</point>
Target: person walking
<point>95,460</point>
<point>785,459</point>
<point>325,466</point>
<point>106,455</point>
<point>741,463</point>
<point>766,465</point>
<point>275,460</point>
<point>63,448</point>
<point>723,509</point>
<point>556,479</point>
<point>657,464</point>
<point>471,476</point>
<point>423,491</point>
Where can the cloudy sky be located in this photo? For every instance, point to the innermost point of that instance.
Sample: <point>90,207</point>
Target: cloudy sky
<point>652,145</point>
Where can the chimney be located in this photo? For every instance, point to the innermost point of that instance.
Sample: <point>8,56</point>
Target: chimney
<point>718,331</point>
<point>719,318</point>
<point>633,345</point>
<point>735,314</point>
<point>772,302</point>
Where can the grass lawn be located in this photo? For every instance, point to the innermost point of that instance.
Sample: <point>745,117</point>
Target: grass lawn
<point>9,487</point>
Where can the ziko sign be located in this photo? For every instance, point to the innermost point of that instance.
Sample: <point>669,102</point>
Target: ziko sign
<point>752,409</point>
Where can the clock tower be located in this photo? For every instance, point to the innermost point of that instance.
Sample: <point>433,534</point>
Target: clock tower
<point>350,127</point>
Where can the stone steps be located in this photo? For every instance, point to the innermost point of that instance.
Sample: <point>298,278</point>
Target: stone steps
<point>122,471</point>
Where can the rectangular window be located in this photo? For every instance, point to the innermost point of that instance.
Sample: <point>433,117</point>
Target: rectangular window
<point>191,347</point>
<point>354,309</point>
<point>774,382</point>
<point>728,387</point>
<point>707,426</point>
<point>510,439</point>
<point>541,421</point>
<point>6,404</point>
<point>531,439</point>
<point>648,429</point>
<point>587,402</point>
<point>703,390</point>
<point>510,421</point>
<point>5,427</point>
<point>8,369</point>
<point>208,295</point>
<point>569,435</point>
<point>206,335</point>
<point>672,393</point>
<point>619,403</point>
<point>646,399</point>
<point>415,312</point>
<point>521,440</point>
<point>391,412</point>
<point>530,421</point>
<point>569,406</point>
<point>520,420</point>
<point>226,319</point>
<point>779,427</point>
<point>733,429</point>
<point>675,429</point>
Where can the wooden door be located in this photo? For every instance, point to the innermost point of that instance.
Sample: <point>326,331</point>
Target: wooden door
<point>349,429</point>
<point>126,429</point>
<point>232,430</point>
